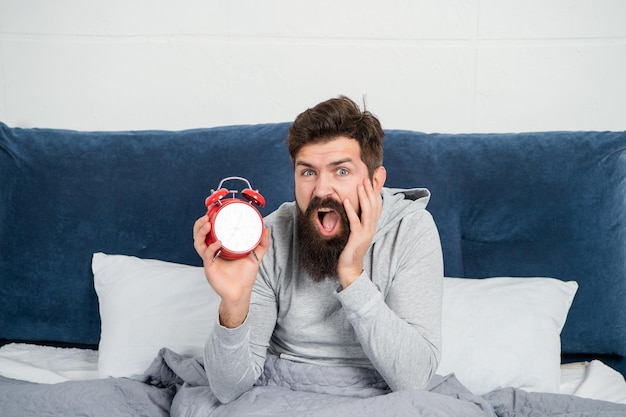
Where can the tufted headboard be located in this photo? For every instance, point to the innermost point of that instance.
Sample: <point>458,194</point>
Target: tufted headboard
<point>532,204</point>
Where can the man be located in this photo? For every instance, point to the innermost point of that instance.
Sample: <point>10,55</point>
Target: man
<point>348,275</point>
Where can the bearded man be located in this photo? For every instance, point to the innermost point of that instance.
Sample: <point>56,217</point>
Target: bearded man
<point>348,276</point>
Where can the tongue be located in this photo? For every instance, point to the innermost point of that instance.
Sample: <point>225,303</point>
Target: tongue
<point>330,220</point>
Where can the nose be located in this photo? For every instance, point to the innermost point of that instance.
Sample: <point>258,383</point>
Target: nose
<point>323,186</point>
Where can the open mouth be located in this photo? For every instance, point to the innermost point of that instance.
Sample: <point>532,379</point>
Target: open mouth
<point>328,221</point>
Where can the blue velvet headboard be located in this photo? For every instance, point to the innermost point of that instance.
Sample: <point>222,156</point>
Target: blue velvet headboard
<point>65,195</point>
<point>535,204</point>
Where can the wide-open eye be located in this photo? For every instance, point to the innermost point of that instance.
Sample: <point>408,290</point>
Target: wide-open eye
<point>342,172</point>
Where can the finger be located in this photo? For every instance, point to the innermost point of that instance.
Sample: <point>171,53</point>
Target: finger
<point>374,201</point>
<point>199,223</point>
<point>367,200</point>
<point>364,198</point>
<point>201,232</point>
<point>212,252</point>
<point>199,240</point>
<point>353,217</point>
<point>372,196</point>
<point>264,245</point>
<point>265,238</point>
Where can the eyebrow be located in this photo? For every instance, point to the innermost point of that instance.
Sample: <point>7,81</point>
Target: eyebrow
<point>332,164</point>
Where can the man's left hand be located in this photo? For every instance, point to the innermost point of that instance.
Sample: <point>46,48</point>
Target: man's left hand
<point>362,230</point>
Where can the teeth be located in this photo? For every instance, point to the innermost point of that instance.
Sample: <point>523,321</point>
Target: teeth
<point>325,210</point>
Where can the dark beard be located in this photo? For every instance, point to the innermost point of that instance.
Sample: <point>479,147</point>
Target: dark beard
<point>319,255</point>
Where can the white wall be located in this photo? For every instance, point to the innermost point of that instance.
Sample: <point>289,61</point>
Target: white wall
<point>430,65</point>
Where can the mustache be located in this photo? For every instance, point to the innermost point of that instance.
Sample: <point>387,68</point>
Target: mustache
<point>318,203</point>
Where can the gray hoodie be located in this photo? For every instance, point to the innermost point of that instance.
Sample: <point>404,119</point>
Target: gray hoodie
<point>389,319</point>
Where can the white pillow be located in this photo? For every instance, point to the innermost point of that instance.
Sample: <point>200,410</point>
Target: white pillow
<point>497,332</point>
<point>504,332</point>
<point>146,305</point>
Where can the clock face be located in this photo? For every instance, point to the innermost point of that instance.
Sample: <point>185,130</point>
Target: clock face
<point>238,226</point>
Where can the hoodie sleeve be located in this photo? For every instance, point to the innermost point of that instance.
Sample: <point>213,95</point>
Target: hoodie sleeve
<point>399,324</point>
<point>234,358</point>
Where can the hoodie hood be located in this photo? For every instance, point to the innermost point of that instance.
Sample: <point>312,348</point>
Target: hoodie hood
<point>397,203</point>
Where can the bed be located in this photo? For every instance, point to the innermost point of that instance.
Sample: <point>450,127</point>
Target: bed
<point>104,309</point>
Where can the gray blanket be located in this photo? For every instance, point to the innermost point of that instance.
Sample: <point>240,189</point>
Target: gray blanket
<point>177,386</point>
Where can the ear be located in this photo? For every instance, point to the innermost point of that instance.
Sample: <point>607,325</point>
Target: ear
<point>379,178</point>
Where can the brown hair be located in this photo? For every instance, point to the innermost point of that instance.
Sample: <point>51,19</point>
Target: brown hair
<point>339,117</point>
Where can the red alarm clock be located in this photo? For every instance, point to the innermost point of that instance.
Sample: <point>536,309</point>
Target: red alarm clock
<point>236,223</point>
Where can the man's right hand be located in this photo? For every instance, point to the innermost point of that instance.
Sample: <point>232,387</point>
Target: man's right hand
<point>232,280</point>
